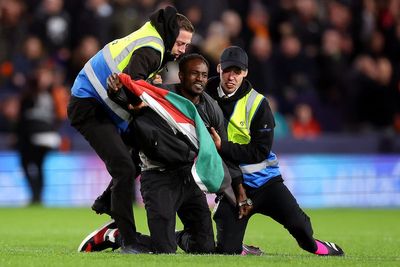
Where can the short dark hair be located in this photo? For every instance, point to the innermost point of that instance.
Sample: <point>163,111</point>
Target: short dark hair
<point>184,23</point>
<point>188,57</point>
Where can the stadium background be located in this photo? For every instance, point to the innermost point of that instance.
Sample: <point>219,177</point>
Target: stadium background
<point>331,68</point>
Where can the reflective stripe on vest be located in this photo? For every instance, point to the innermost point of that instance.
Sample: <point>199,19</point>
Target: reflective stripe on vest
<point>123,114</point>
<point>252,168</point>
<point>240,121</point>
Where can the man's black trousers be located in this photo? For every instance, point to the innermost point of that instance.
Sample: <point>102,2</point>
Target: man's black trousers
<point>170,192</point>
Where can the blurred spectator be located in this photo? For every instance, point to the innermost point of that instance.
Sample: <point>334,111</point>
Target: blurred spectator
<point>194,13</point>
<point>258,19</point>
<point>308,26</point>
<point>211,11</point>
<point>88,47</point>
<point>261,67</point>
<point>368,21</point>
<point>295,75</point>
<point>362,76</point>
<point>332,64</point>
<point>127,16</point>
<point>95,19</point>
<point>13,28</point>
<point>233,25</point>
<point>340,18</point>
<point>377,99</point>
<point>52,24</point>
<point>304,125</point>
<point>26,62</point>
<point>216,41</point>
<point>376,45</point>
<point>9,106</point>
<point>374,93</point>
<point>37,127</point>
<point>281,129</point>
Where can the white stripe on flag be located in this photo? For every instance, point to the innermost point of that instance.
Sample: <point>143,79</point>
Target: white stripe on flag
<point>197,179</point>
<point>190,131</point>
<point>185,128</point>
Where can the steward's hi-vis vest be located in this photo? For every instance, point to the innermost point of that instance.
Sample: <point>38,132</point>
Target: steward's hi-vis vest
<point>113,58</point>
<point>254,175</point>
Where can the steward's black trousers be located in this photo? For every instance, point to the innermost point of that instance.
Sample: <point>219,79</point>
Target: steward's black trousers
<point>92,121</point>
<point>273,199</point>
<point>170,192</point>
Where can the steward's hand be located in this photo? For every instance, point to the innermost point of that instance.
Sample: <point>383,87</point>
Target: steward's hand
<point>157,79</point>
<point>245,208</point>
<point>113,83</point>
<point>115,91</point>
<point>244,203</point>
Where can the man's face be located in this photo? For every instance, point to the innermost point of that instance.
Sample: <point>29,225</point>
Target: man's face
<point>194,77</point>
<point>231,78</point>
<point>182,41</point>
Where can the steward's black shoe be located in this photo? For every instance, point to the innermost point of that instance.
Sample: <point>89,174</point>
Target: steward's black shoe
<point>102,204</point>
<point>132,249</point>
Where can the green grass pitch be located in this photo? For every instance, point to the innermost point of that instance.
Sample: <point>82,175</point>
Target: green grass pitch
<point>37,236</point>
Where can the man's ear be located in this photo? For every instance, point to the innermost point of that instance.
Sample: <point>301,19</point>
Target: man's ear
<point>219,70</point>
<point>245,73</point>
<point>180,76</point>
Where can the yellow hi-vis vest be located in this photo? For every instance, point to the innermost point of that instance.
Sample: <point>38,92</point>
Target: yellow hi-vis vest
<point>118,52</point>
<point>113,58</point>
<point>240,121</point>
<point>254,175</point>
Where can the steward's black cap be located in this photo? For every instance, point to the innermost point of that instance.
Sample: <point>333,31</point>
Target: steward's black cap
<point>234,56</point>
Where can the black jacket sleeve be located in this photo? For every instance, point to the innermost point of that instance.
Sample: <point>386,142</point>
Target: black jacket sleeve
<point>143,62</point>
<point>261,132</point>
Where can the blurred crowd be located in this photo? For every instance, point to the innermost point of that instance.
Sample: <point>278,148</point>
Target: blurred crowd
<point>325,65</point>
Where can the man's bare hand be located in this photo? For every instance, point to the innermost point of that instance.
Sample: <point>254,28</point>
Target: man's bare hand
<point>216,138</point>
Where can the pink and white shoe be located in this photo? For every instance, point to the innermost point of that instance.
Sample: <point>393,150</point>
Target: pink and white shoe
<point>325,248</point>
<point>251,250</point>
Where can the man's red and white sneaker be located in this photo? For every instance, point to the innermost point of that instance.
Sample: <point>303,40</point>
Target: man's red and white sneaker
<point>101,239</point>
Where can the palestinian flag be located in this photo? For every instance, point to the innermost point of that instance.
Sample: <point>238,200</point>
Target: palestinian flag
<point>209,171</point>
